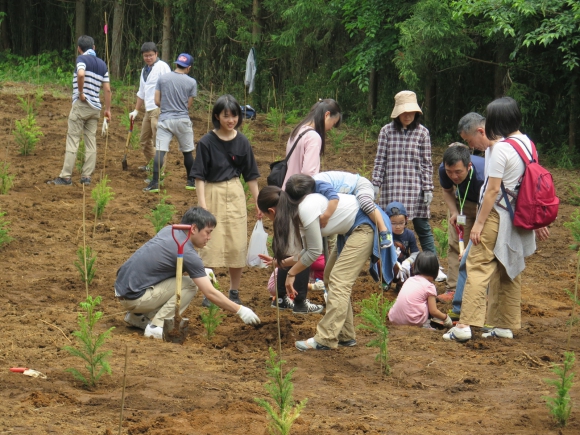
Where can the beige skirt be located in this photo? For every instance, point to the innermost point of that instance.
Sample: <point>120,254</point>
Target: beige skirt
<point>229,240</point>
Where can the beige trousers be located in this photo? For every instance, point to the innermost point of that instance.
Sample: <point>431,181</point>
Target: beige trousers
<point>158,302</point>
<point>483,268</point>
<point>470,212</point>
<point>339,276</point>
<point>148,134</point>
<point>82,121</point>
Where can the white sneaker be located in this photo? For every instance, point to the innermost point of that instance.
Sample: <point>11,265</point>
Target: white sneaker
<point>457,334</point>
<point>498,332</point>
<point>318,285</point>
<point>137,320</point>
<point>154,331</point>
<point>441,276</point>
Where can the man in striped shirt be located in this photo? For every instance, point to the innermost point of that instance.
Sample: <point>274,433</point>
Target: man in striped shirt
<point>90,76</point>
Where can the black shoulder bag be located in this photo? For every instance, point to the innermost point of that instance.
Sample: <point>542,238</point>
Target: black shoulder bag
<point>278,169</point>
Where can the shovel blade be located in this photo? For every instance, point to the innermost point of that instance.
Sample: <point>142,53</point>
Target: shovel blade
<point>124,163</point>
<point>174,334</point>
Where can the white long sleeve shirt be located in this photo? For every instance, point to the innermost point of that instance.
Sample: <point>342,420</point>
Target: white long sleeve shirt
<point>147,88</point>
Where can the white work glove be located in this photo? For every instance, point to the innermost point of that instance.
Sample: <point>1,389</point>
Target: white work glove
<point>398,251</point>
<point>401,276</point>
<point>248,316</point>
<point>376,188</point>
<point>448,323</point>
<point>428,197</point>
<point>406,266</point>
<point>105,127</point>
<point>133,115</point>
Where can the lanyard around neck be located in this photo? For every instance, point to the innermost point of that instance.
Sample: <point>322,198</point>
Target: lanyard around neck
<point>466,190</point>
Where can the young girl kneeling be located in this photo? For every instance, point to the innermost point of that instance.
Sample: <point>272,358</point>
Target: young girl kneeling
<point>416,301</point>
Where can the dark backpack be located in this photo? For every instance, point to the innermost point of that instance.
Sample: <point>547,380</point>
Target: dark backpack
<point>278,169</point>
<point>536,203</point>
<point>248,112</point>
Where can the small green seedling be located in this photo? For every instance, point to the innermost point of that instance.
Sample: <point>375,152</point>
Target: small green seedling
<point>85,256</point>
<point>31,105</point>
<point>162,214</point>
<point>246,130</point>
<point>4,230</point>
<point>561,405</point>
<point>90,343</point>
<point>27,134</point>
<point>441,237</point>
<point>6,180</point>
<point>284,411</point>
<point>374,312</point>
<point>274,119</point>
<point>211,317</point>
<point>80,159</point>
<point>102,194</point>
<point>337,140</point>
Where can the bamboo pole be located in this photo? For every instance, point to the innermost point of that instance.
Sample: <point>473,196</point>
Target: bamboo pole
<point>123,393</point>
<point>209,106</point>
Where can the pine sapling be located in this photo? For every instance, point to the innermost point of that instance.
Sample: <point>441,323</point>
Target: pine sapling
<point>90,343</point>
<point>211,317</point>
<point>102,194</point>
<point>561,405</point>
<point>27,134</point>
<point>85,256</point>
<point>4,230</point>
<point>442,239</point>
<point>162,214</point>
<point>374,311</point>
<point>284,411</point>
<point>80,159</point>
<point>6,180</point>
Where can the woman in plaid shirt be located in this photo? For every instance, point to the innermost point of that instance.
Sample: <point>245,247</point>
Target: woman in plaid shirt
<point>403,167</point>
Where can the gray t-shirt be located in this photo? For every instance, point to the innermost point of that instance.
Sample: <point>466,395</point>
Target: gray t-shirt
<point>175,91</point>
<point>154,262</point>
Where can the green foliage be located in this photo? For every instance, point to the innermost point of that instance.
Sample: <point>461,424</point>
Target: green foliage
<point>247,194</point>
<point>283,412</point>
<point>6,180</point>
<point>365,171</point>
<point>211,318</point>
<point>162,214</point>
<point>85,256</point>
<point>45,68</point>
<point>135,136</point>
<point>31,105</point>
<point>270,250</point>
<point>374,311</point>
<point>337,140</point>
<point>574,226</point>
<point>274,119</point>
<point>90,342</point>
<point>27,134</point>
<point>246,130</point>
<point>441,237</point>
<point>561,405</point>
<point>4,230</point>
<point>80,158</point>
<point>102,194</point>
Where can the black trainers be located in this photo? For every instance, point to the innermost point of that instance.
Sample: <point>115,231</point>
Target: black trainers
<point>86,180</point>
<point>284,303</point>
<point>190,185</point>
<point>153,188</point>
<point>347,343</point>
<point>59,181</point>
<point>307,308</point>
<point>234,296</point>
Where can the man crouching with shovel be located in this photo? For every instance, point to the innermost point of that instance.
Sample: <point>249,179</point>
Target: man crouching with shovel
<point>149,288</point>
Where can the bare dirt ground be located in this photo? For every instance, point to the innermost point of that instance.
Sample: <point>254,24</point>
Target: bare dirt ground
<point>482,387</point>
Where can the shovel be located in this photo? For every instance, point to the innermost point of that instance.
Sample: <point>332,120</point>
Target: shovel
<point>124,161</point>
<point>175,330</point>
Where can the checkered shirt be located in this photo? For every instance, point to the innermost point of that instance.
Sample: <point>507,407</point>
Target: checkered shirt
<point>403,169</point>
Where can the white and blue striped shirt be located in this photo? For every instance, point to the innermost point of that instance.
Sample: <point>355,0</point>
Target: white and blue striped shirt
<point>96,74</point>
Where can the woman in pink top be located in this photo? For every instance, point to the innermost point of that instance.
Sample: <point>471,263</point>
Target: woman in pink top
<point>416,300</point>
<point>305,159</point>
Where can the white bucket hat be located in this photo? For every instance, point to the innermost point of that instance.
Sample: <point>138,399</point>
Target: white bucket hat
<point>405,101</point>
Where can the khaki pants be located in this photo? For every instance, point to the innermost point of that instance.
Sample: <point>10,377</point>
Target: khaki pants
<point>148,134</point>
<point>470,212</point>
<point>158,302</point>
<point>82,121</point>
<point>340,274</point>
<point>504,304</point>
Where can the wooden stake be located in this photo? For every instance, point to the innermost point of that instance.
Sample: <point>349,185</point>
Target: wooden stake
<point>209,106</point>
<point>123,393</point>
<point>85,241</point>
<point>274,92</point>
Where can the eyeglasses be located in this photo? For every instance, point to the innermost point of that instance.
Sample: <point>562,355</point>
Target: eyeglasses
<point>400,224</point>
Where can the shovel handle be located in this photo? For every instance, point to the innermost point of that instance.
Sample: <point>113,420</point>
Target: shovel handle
<point>180,246</point>
<point>132,122</point>
<point>18,369</point>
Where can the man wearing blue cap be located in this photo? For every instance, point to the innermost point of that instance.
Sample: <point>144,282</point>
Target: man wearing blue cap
<point>174,95</point>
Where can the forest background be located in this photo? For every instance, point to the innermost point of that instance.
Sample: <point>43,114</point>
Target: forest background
<point>456,55</point>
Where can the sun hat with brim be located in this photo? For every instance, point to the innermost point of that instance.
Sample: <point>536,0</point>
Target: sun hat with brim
<point>405,101</point>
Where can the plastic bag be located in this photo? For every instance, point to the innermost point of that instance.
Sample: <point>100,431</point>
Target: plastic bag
<point>258,245</point>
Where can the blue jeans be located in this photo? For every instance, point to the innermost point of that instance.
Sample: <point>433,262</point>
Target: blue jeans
<point>458,297</point>
<point>423,230</point>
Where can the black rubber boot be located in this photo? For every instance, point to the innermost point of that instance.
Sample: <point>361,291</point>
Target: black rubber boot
<point>235,297</point>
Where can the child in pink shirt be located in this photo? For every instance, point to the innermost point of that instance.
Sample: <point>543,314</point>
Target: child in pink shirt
<point>416,301</point>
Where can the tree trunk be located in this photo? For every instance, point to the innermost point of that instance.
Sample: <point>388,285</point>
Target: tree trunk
<point>80,19</point>
<point>117,39</point>
<point>4,38</point>
<point>430,108</point>
<point>255,22</point>
<point>166,44</point>
<point>573,113</point>
<point>501,57</point>
<point>372,100</point>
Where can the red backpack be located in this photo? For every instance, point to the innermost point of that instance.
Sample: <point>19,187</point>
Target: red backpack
<point>537,203</point>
